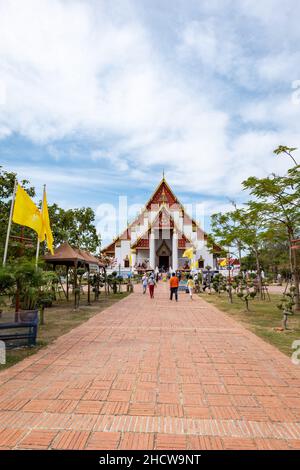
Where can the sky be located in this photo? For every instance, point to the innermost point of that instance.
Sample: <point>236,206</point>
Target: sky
<point>97,98</point>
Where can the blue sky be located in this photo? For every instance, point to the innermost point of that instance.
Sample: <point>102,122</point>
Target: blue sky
<point>97,97</point>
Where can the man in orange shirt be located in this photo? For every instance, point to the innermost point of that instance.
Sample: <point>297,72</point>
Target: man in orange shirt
<point>174,283</point>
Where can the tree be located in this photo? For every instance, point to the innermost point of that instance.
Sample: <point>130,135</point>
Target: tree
<point>243,228</point>
<point>225,229</point>
<point>275,251</point>
<point>287,151</point>
<point>277,200</point>
<point>7,283</point>
<point>30,286</point>
<point>75,226</point>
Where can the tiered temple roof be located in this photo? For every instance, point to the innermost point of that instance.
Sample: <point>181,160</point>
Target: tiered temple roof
<point>165,202</point>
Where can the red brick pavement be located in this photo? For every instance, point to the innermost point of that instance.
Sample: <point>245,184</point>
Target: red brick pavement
<point>151,374</point>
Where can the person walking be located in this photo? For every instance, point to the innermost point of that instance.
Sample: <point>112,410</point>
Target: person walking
<point>144,283</point>
<point>191,286</point>
<point>174,283</point>
<point>151,285</point>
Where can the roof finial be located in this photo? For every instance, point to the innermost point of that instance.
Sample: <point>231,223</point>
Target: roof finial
<point>163,174</point>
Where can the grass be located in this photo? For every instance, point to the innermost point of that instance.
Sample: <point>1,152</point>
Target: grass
<point>263,319</point>
<point>59,319</point>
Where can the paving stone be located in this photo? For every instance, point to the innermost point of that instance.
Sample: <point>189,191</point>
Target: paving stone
<point>136,441</point>
<point>142,375</point>
<point>89,406</point>
<point>37,406</point>
<point>70,440</point>
<point>103,441</point>
<point>38,439</point>
<point>170,442</point>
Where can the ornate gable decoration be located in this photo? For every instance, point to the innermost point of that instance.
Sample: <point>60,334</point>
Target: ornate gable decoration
<point>163,250</point>
<point>162,195</point>
<point>163,220</point>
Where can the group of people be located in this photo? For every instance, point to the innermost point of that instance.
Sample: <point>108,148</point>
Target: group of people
<point>151,281</point>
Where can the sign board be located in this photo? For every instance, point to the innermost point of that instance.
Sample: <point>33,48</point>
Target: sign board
<point>2,353</point>
<point>94,268</point>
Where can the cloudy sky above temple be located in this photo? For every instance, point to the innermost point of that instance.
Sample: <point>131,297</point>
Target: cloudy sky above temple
<point>97,97</point>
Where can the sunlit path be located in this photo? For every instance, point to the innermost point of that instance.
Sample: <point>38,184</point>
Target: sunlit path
<point>153,374</point>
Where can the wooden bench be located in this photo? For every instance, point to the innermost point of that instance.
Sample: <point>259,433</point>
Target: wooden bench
<point>22,332</point>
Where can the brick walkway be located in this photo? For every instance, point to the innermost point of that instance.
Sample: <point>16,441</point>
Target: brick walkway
<point>153,375</point>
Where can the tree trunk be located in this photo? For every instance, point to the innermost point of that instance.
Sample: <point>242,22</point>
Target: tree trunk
<point>89,286</point>
<point>284,322</point>
<point>98,286</point>
<point>295,276</point>
<point>76,299</point>
<point>17,307</point>
<point>42,319</point>
<point>67,279</point>
<point>294,269</point>
<point>230,294</point>
<point>240,254</point>
<point>259,279</point>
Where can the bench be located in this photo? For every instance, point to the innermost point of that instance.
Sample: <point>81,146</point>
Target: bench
<point>22,332</point>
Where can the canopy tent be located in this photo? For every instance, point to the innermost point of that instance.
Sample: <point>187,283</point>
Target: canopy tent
<point>89,259</point>
<point>66,255</point>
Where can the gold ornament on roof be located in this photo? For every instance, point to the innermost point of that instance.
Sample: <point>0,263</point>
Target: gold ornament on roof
<point>163,196</point>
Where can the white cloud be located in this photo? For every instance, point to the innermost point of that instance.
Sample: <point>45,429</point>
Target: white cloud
<point>211,43</point>
<point>281,67</point>
<point>87,69</point>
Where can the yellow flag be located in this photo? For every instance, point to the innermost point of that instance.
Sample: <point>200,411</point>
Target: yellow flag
<point>194,264</point>
<point>223,263</point>
<point>188,253</point>
<point>26,213</point>
<point>46,225</point>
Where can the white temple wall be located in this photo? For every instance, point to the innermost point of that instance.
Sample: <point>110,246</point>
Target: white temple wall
<point>187,230</point>
<point>122,251</point>
<point>125,249</point>
<point>141,256</point>
<point>118,255</point>
<point>133,236</point>
<point>203,251</point>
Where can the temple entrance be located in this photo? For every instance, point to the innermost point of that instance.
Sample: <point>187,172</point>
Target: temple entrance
<point>163,256</point>
<point>163,262</point>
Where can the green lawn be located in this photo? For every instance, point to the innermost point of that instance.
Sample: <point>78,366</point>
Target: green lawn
<point>263,319</point>
<point>60,319</point>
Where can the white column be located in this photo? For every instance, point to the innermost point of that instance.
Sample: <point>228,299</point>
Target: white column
<point>133,258</point>
<point>175,251</point>
<point>152,250</point>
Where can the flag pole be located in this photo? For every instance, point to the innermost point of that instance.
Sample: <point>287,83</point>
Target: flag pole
<point>9,222</point>
<point>38,241</point>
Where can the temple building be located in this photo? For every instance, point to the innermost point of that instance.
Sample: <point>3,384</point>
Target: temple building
<point>159,236</point>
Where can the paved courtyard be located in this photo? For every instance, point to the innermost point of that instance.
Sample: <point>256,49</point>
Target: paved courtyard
<point>151,374</point>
